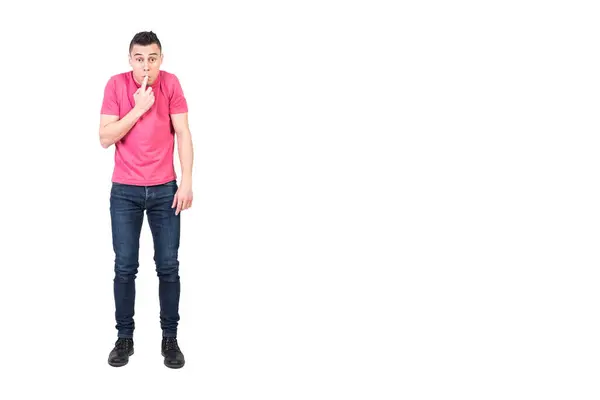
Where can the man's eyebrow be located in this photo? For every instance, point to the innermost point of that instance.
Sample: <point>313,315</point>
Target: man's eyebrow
<point>139,54</point>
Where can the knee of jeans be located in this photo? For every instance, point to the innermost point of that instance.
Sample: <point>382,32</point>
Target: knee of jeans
<point>124,278</point>
<point>168,273</point>
<point>125,272</point>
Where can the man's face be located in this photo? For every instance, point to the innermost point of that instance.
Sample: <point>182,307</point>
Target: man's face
<point>145,60</point>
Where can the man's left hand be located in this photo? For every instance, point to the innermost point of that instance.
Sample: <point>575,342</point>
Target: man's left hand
<point>183,198</point>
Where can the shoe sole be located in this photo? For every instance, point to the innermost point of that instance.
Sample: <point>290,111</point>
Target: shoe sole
<point>115,364</point>
<point>174,366</point>
<point>171,365</point>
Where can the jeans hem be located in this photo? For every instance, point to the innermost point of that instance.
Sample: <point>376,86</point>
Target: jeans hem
<point>125,335</point>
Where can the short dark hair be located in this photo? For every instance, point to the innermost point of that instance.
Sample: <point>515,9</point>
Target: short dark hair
<point>145,38</point>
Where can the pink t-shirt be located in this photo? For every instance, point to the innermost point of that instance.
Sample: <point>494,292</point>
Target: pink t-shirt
<point>144,156</point>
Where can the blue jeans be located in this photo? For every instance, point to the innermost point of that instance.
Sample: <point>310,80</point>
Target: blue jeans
<point>127,206</point>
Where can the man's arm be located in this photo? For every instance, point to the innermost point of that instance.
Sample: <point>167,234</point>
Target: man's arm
<point>112,129</point>
<point>183,197</point>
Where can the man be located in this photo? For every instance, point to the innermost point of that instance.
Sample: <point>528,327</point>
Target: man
<point>142,112</point>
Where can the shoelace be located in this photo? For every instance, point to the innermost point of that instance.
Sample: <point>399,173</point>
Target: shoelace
<point>123,344</point>
<point>171,344</point>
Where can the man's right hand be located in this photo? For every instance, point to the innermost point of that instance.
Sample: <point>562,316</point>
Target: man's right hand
<point>144,98</point>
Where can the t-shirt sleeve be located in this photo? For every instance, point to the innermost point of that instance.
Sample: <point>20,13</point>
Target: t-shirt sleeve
<point>110,106</point>
<point>177,103</point>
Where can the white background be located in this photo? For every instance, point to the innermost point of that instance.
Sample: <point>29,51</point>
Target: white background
<point>393,200</point>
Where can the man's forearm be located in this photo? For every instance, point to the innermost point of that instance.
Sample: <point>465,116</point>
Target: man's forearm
<point>186,156</point>
<point>113,132</point>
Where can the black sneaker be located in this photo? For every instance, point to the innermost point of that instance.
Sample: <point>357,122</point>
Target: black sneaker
<point>171,352</point>
<point>119,356</point>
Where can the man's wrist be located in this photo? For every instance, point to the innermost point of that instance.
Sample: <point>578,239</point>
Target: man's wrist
<point>186,181</point>
<point>137,113</point>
